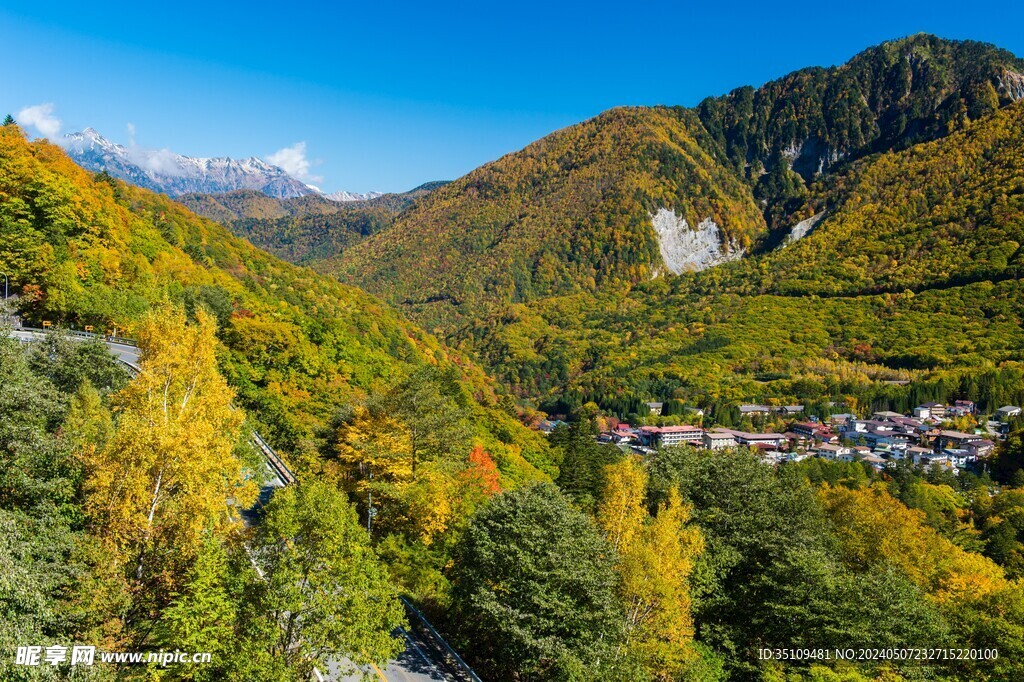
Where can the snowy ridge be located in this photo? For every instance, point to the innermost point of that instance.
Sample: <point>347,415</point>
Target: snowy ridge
<point>344,196</point>
<point>162,170</point>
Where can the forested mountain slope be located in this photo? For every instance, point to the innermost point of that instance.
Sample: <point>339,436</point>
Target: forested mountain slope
<point>599,206</point>
<point>91,250</point>
<point>914,273</point>
<point>546,262</point>
<point>570,213</point>
<point>789,131</point>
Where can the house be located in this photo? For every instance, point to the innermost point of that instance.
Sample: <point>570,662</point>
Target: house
<point>890,438</point>
<point>961,408</point>
<point>980,448</point>
<point>958,458</point>
<point>716,440</point>
<point>1008,412</point>
<point>655,408</point>
<point>758,439</point>
<point>620,435</point>
<point>776,440</point>
<point>915,453</point>
<point>668,436</point>
<point>928,458</point>
<point>806,429</point>
<point>839,419</point>
<point>877,462</point>
<point>766,448</point>
<point>791,409</point>
<point>935,410</point>
<point>955,439</point>
<point>830,451</point>
<point>549,425</point>
<point>755,409</point>
<point>936,460</point>
<point>886,415</point>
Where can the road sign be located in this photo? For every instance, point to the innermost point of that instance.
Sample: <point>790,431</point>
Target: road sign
<point>47,324</point>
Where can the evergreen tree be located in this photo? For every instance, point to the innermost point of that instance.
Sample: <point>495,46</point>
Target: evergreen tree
<point>533,589</point>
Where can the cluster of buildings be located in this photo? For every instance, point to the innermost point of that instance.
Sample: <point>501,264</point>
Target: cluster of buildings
<point>883,438</point>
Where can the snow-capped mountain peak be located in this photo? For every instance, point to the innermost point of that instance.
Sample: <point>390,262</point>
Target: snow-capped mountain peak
<point>352,196</point>
<point>162,170</point>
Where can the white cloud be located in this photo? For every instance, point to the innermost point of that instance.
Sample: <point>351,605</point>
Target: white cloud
<point>40,117</point>
<point>294,162</point>
<point>156,162</point>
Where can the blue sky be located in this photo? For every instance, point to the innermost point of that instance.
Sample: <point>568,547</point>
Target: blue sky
<point>387,95</point>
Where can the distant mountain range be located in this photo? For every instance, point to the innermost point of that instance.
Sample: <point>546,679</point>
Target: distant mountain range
<point>175,174</point>
<point>309,228</point>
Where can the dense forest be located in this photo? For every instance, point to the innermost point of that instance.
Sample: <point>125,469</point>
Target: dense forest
<point>569,213</point>
<point>790,131</point>
<point>913,276</point>
<point>681,566</point>
<point>94,251</point>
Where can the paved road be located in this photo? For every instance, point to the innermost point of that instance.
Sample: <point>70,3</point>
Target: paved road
<point>124,352</point>
<point>415,664</point>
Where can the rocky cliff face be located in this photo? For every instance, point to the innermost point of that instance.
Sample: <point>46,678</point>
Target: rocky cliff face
<point>690,249</point>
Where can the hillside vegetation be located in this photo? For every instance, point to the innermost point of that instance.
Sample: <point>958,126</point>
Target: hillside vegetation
<point>914,274</point>
<point>545,264</point>
<point>569,213</point>
<point>789,131</point>
<point>296,346</point>
<point>572,213</point>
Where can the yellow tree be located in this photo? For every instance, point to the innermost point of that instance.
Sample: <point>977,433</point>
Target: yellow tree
<point>168,473</point>
<point>656,555</point>
<point>621,512</point>
<point>875,530</point>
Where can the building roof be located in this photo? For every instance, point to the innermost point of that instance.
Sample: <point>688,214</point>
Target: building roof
<point>959,435</point>
<point>669,429</point>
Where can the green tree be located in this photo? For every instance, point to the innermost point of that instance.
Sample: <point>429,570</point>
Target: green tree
<point>771,574</point>
<point>533,589</point>
<point>1009,457</point>
<point>320,583</point>
<point>434,421</point>
<point>202,616</point>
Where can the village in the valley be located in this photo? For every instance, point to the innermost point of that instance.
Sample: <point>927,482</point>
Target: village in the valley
<point>932,436</point>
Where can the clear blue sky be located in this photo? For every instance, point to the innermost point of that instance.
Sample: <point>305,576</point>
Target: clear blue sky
<point>388,95</point>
